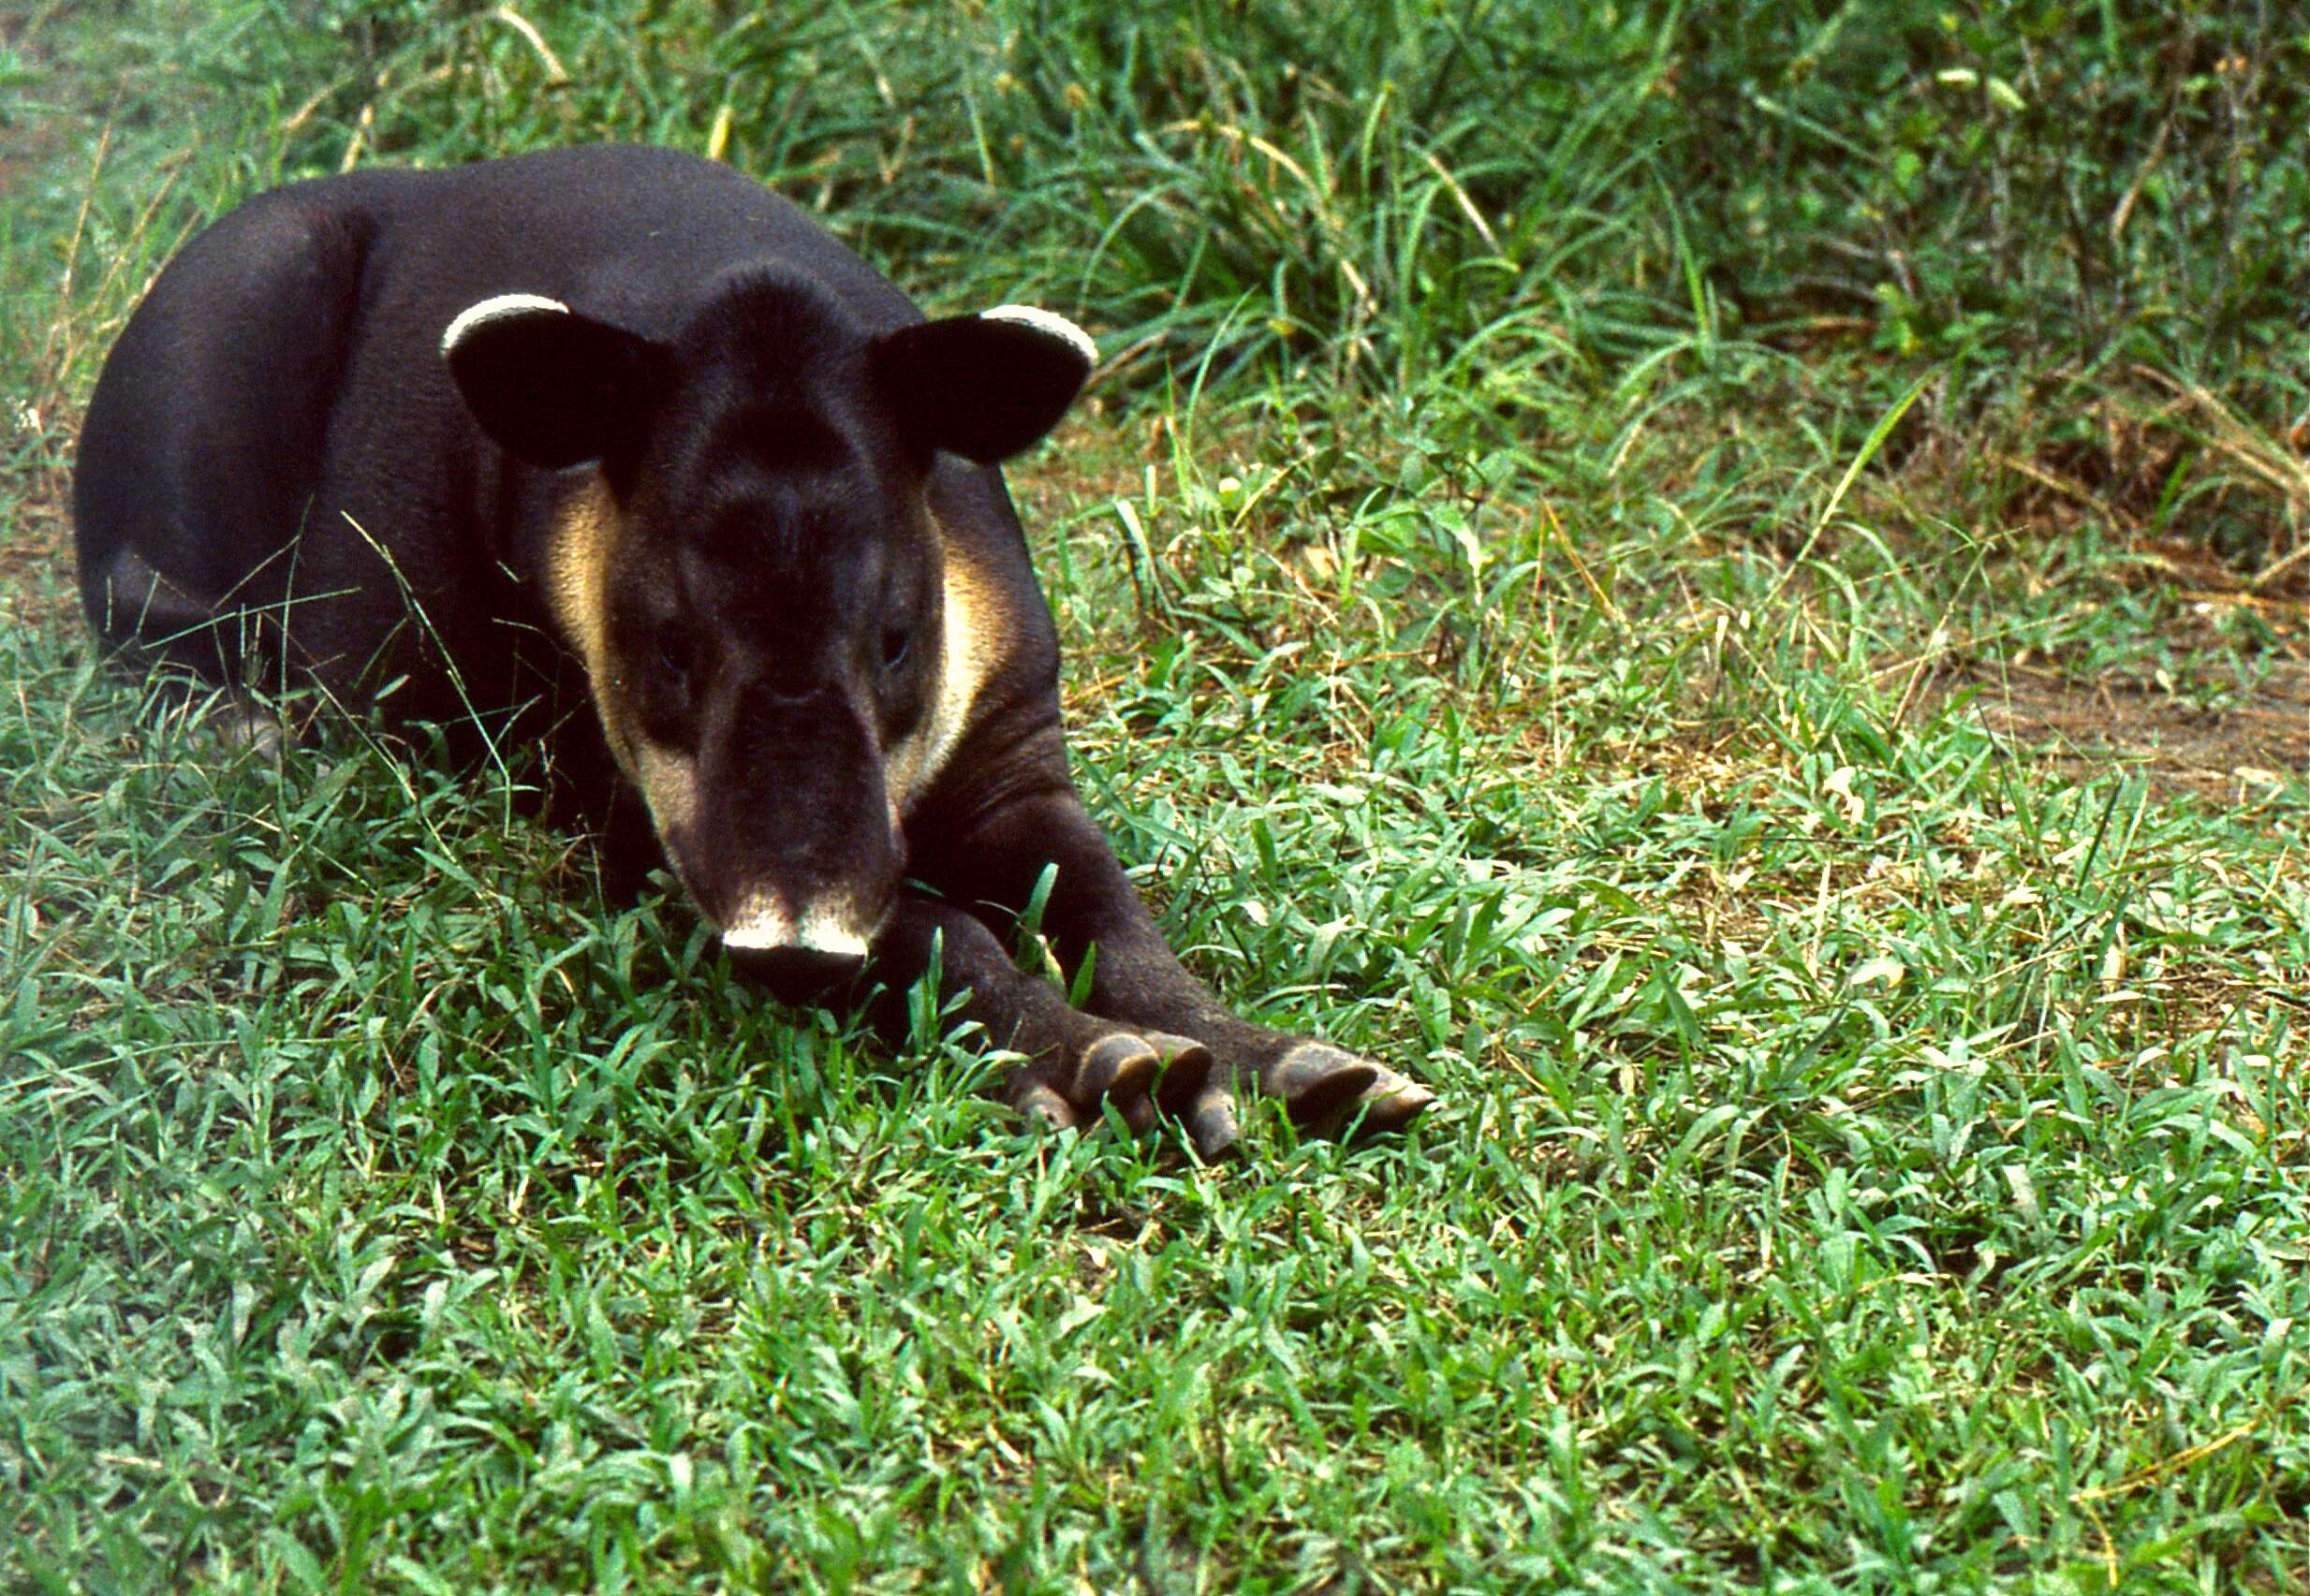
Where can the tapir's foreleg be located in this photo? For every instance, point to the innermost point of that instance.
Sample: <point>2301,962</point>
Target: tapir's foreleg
<point>1137,981</point>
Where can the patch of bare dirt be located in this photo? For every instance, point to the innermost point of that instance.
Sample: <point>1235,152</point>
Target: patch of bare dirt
<point>23,150</point>
<point>2237,743</point>
<point>1092,458</point>
<point>36,556</point>
<point>35,536</point>
<point>2204,494</point>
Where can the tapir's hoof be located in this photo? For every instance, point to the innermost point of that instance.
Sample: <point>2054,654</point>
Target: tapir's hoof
<point>1193,1092</point>
<point>1212,1129</point>
<point>244,725</point>
<point>1187,1070</point>
<point>1043,1108</point>
<point>1390,1102</point>
<point>1119,1067</point>
<point>1331,1091</point>
<point>1317,1081</point>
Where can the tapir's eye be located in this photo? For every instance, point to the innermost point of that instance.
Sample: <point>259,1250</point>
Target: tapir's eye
<point>676,654</point>
<point>897,642</point>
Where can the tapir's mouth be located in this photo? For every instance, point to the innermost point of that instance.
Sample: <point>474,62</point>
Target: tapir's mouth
<point>796,976</point>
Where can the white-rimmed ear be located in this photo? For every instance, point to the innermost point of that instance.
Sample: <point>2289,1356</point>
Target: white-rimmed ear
<point>550,386</point>
<point>499,307</point>
<point>986,386</point>
<point>1051,325</point>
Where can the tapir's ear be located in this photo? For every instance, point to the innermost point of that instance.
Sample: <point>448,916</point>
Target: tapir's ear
<point>551,387</point>
<point>986,386</point>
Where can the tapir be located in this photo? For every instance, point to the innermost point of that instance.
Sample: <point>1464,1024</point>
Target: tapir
<point>613,454</point>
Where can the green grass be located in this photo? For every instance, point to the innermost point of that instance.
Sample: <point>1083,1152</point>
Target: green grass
<point>1680,573</point>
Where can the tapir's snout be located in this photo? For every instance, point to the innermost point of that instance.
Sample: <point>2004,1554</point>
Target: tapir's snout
<point>799,958</point>
<point>827,929</point>
<point>788,843</point>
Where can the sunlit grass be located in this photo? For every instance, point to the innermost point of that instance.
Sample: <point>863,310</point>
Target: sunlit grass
<point>1511,629</point>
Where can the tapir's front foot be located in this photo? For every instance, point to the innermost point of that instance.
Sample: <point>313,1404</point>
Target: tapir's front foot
<point>1197,1067</point>
<point>1141,1003</point>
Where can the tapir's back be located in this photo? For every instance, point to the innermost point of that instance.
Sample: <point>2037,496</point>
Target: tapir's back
<point>275,459</point>
<point>638,231</point>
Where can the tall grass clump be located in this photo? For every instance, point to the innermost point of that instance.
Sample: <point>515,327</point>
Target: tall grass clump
<point>1373,187</point>
<point>2056,217</point>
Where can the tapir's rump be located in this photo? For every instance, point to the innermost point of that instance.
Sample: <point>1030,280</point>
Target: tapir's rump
<point>613,453</point>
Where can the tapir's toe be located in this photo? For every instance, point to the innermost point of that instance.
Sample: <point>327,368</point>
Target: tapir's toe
<point>1192,1090</point>
<point>1119,1067</point>
<point>1317,1081</point>
<point>1390,1102</point>
<point>1043,1108</point>
<point>1136,1072</point>
<point>1331,1091</point>
<point>1187,1070</point>
<point>1212,1129</point>
<point>239,725</point>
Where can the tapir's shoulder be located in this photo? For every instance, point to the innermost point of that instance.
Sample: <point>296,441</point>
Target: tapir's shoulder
<point>637,232</point>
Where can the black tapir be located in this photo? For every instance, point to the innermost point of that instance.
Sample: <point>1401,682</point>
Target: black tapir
<point>613,451</point>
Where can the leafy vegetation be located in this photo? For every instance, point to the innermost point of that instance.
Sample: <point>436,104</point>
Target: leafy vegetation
<point>1723,583</point>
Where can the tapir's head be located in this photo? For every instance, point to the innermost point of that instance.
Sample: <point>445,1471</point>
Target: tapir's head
<point>747,564</point>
